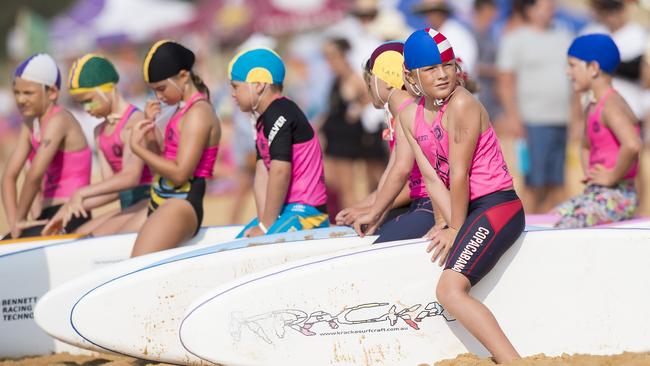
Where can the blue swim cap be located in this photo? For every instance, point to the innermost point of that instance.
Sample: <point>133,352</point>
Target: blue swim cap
<point>40,68</point>
<point>427,47</point>
<point>260,65</point>
<point>596,47</point>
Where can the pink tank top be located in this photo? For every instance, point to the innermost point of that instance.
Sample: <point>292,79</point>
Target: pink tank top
<point>172,137</point>
<point>68,171</point>
<point>604,146</point>
<point>488,173</point>
<point>307,184</point>
<point>112,146</point>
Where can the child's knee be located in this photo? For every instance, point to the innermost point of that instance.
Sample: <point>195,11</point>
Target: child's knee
<point>449,290</point>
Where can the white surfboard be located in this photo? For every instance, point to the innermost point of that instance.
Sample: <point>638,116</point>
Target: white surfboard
<point>14,245</point>
<point>554,291</point>
<point>139,313</point>
<point>636,223</point>
<point>548,220</point>
<point>28,272</point>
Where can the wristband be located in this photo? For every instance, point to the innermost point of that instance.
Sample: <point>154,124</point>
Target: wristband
<point>262,227</point>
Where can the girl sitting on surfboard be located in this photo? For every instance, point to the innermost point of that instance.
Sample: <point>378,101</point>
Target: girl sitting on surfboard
<point>93,83</point>
<point>611,141</point>
<point>289,182</point>
<point>190,151</point>
<point>459,156</point>
<point>51,144</point>
<point>401,183</point>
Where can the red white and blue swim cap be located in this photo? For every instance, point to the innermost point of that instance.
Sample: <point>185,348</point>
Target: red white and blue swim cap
<point>427,47</point>
<point>40,68</point>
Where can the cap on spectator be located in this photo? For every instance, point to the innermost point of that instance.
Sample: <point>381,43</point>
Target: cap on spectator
<point>364,8</point>
<point>608,4</point>
<point>260,65</point>
<point>39,68</point>
<point>596,48</point>
<point>428,6</point>
<point>427,47</point>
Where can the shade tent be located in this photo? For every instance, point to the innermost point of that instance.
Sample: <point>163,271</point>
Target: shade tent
<point>235,20</point>
<point>90,23</point>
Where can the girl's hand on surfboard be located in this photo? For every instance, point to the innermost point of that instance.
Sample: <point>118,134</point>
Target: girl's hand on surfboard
<point>441,243</point>
<point>54,226</point>
<point>368,224</point>
<point>56,223</point>
<point>349,215</point>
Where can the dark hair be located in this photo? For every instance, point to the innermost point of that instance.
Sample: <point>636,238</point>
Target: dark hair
<point>525,4</point>
<point>516,8</point>
<point>479,4</point>
<point>607,5</point>
<point>200,85</point>
<point>341,44</point>
<point>277,87</point>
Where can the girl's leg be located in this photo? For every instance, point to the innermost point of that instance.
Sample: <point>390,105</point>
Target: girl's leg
<point>127,221</point>
<point>170,225</point>
<point>453,293</point>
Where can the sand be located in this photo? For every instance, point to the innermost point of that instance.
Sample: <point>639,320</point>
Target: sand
<point>65,359</point>
<point>625,359</point>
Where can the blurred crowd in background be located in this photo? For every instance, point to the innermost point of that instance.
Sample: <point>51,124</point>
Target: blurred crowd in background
<point>521,76</point>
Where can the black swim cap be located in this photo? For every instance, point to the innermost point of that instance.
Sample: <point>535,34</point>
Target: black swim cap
<point>166,59</point>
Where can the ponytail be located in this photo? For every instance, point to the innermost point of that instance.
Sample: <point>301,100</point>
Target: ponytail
<point>200,85</point>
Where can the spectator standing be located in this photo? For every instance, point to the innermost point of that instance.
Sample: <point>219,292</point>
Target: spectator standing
<point>485,12</point>
<point>535,95</point>
<point>438,14</point>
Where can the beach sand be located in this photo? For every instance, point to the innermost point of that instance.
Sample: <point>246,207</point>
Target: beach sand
<point>625,359</point>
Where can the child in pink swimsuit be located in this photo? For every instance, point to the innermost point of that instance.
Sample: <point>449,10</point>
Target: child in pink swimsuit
<point>611,142</point>
<point>93,83</point>
<point>190,151</point>
<point>53,143</point>
<point>384,77</point>
<point>461,161</point>
<point>289,178</point>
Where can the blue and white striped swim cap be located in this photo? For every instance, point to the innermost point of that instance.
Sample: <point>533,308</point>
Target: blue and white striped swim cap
<point>40,68</point>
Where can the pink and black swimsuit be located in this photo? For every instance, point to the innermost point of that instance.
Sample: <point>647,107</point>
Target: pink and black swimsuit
<point>193,190</point>
<point>495,216</point>
<point>415,221</point>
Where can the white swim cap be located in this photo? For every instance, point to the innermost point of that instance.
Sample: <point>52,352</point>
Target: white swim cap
<point>40,68</point>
